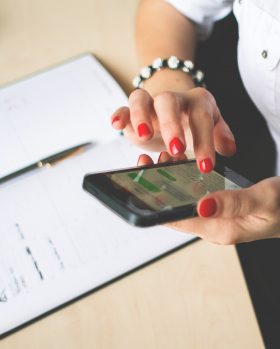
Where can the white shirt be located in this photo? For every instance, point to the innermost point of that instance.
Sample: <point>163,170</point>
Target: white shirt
<point>258,48</point>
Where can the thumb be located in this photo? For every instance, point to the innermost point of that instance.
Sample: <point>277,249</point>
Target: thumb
<point>228,204</point>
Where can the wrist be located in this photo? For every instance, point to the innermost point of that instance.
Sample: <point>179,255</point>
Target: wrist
<point>168,80</point>
<point>170,64</point>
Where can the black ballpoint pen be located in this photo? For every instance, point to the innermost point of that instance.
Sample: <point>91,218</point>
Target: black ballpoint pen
<point>45,162</point>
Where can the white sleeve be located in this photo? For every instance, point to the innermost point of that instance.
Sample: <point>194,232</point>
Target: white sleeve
<point>203,12</point>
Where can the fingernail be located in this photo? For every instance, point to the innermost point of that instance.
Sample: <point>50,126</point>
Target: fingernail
<point>159,158</point>
<point>143,130</point>
<point>206,165</point>
<point>116,118</point>
<point>162,156</point>
<point>176,146</point>
<point>208,207</point>
<point>230,135</point>
<point>234,147</point>
<point>138,160</point>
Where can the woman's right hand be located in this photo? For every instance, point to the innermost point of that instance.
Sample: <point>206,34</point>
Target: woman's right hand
<point>232,216</point>
<point>161,122</point>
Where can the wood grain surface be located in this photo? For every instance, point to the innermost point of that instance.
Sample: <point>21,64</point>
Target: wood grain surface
<point>195,298</point>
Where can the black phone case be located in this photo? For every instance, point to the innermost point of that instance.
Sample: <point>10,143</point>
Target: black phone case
<point>132,217</point>
<point>109,196</point>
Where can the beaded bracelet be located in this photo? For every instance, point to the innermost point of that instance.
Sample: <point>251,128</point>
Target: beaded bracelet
<point>173,63</point>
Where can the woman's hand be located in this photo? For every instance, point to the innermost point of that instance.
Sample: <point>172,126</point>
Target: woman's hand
<point>162,122</point>
<point>234,216</point>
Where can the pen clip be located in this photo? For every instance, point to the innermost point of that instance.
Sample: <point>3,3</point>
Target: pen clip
<point>47,162</point>
<point>41,164</point>
<point>65,155</point>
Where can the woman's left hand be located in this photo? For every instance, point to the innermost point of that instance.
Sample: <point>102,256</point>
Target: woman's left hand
<point>233,216</point>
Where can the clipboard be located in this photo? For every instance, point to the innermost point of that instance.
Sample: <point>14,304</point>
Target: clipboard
<point>58,244</point>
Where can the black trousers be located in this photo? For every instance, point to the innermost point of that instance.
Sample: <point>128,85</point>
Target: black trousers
<point>255,159</point>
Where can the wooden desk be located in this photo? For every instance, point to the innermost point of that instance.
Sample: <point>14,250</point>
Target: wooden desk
<point>194,298</point>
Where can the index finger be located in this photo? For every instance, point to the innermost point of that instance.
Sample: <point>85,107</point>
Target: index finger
<point>202,118</point>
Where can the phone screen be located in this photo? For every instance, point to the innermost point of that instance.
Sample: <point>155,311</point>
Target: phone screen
<point>167,187</point>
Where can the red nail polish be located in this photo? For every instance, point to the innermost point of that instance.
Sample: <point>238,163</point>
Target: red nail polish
<point>208,207</point>
<point>143,130</point>
<point>206,165</point>
<point>176,146</point>
<point>116,118</point>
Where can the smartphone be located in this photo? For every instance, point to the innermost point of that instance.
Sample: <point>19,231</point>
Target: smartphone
<point>155,194</point>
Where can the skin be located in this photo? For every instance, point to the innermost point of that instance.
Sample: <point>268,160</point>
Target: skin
<point>171,106</point>
<point>242,215</point>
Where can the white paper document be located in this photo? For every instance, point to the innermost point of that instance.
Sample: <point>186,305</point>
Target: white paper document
<point>55,110</point>
<point>56,241</point>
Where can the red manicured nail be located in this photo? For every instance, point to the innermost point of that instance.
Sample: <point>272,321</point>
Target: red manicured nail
<point>208,207</point>
<point>176,146</point>
<point>206,165</point>
<point>116,118</point>
<point>143,130</point>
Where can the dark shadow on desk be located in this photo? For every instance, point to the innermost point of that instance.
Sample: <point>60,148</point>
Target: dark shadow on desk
<point>255,159</point>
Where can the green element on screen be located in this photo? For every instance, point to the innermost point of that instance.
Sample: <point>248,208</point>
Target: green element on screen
<point>166,175</point>
<point>142,181</point>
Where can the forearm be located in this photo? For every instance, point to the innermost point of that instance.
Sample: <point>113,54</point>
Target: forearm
<point>161,31</point>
